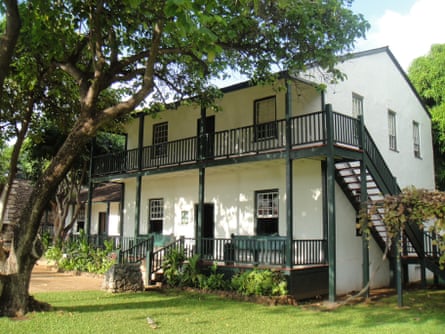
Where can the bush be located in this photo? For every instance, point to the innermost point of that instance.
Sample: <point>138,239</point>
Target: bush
<point>79,255</point>
<point>259,283</point>
<point>173,267</point>
<point>181,273</point>
<point>214,281</point>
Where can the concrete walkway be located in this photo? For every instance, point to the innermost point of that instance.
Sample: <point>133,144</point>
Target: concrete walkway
<point>46,279</point>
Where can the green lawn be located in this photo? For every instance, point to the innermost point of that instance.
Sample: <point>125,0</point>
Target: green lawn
<point>187,312</point>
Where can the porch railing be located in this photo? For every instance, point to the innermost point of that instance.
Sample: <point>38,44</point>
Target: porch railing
<point>136,253</point>
<point>158,256</point>
<point>263,251</point>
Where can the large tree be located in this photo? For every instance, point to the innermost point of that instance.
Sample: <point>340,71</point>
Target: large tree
<point>158,50</point>
<point>427,74</point>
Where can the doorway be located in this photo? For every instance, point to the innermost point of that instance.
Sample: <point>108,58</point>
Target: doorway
<point>207,228</point>
<point>209,141</point>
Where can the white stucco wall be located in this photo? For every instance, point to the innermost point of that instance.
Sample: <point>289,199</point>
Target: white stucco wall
<point>231,188</point>
<point>349,251</point>
<point>383,87</point>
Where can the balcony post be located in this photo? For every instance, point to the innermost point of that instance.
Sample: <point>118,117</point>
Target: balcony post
<point>137,211</point>
<point>330,201</point>
<point>140,139</point>
<point>201,186</point>
<point>289,177</point>
<point>90,191</point>
<point>364,206</point>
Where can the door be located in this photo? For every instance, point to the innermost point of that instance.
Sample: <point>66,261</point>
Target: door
<point>102,223</point>
<point>209,141</point>
<point>207,229</point>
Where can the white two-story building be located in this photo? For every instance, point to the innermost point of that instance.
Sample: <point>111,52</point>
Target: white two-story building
<point>276,178</point>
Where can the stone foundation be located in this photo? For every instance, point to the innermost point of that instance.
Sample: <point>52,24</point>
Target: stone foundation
<point>122,278</point>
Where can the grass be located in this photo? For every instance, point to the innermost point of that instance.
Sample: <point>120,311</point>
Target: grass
<point>189,312</point>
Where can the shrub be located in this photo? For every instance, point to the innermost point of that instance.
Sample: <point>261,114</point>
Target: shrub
<point>259,283</point>
<point>214,281</point>
<point>173,267</point>
<point>79,255</point>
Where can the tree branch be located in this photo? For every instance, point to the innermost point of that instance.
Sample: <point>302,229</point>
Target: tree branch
<point>9,39</point>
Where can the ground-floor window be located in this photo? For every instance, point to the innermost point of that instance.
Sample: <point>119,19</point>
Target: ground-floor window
<point>156,215</point>
<point>266,208</point>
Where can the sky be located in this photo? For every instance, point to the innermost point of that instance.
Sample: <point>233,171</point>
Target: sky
<point>408,27</point>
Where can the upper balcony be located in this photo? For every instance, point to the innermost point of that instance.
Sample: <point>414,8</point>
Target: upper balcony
<point>306,132</point>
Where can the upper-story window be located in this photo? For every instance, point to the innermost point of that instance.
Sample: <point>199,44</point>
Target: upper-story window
<point>357,105</point>
<point>265,117</point>
<point>267,212</point>
<point>160,139</point>
<point>156,215</point>
<point>392,130</point>
<point>416,139</point>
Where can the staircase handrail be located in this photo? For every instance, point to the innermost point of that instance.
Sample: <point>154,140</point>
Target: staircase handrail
<point>157,258</point>
<point>380,164</point>
<point>137,252</point>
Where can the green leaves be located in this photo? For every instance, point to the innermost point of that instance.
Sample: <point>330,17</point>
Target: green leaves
<point>423,207</point>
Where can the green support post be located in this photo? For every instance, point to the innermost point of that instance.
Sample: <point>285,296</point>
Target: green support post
<point>330,193</point>
<point>137,212</point>
<point>90,190</point>
<point>137,215</point>
<point>289,178</point>
<point>398,272</point>
<point>201,190</point>
<point>364,206</point>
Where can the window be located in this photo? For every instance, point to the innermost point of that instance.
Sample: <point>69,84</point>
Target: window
<point>103,223</point>
<point>267,212</point>
<point>416,139</point>
<point>392,130</point>
<point>265,118</point>
<point>357,105</point>
<point>156,215</point>
<point>160,139</point>
<point>81,219</point>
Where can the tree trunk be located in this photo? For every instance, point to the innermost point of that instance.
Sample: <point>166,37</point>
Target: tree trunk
<point>15,300</point>
<point>14,286</point>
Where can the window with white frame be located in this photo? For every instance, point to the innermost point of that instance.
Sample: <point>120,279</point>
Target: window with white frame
<point>357,105</point>
<point>265,118</point>
<point>267,212</point>
<point>156,215</point>
<point>416,139</point>
<point>160,139</point>
<point>392,130</point>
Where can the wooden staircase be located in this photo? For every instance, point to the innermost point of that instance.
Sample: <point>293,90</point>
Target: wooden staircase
<point>417,245</point>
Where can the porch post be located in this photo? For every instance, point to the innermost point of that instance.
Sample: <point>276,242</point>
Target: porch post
<point>289,177</point>
<point>201,186</point>
<point>121,213</point>
<point>330,193</point>
<point>90,190</point>
<point>364,207</point>
<point>137,211</point>
<point>140,139</point>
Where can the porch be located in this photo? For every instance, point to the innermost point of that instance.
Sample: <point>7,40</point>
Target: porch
<point>235,145</point>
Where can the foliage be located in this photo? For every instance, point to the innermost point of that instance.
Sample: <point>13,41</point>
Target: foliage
<point>173,266</point>
<point>214,281</point>
<point>259,283</point>
<point>79,255</point>
<point>427,74</point>
<point>181,273</point>
<point>423,207</point>
<point>145,52</point>
<point>191,273</point>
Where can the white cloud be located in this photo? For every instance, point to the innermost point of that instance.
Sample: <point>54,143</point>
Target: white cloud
<point>408,36</point>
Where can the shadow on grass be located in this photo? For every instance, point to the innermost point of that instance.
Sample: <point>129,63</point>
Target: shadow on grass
<point>424,309</point>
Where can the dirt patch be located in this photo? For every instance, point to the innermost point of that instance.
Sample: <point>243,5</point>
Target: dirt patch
<point>46,278</point>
